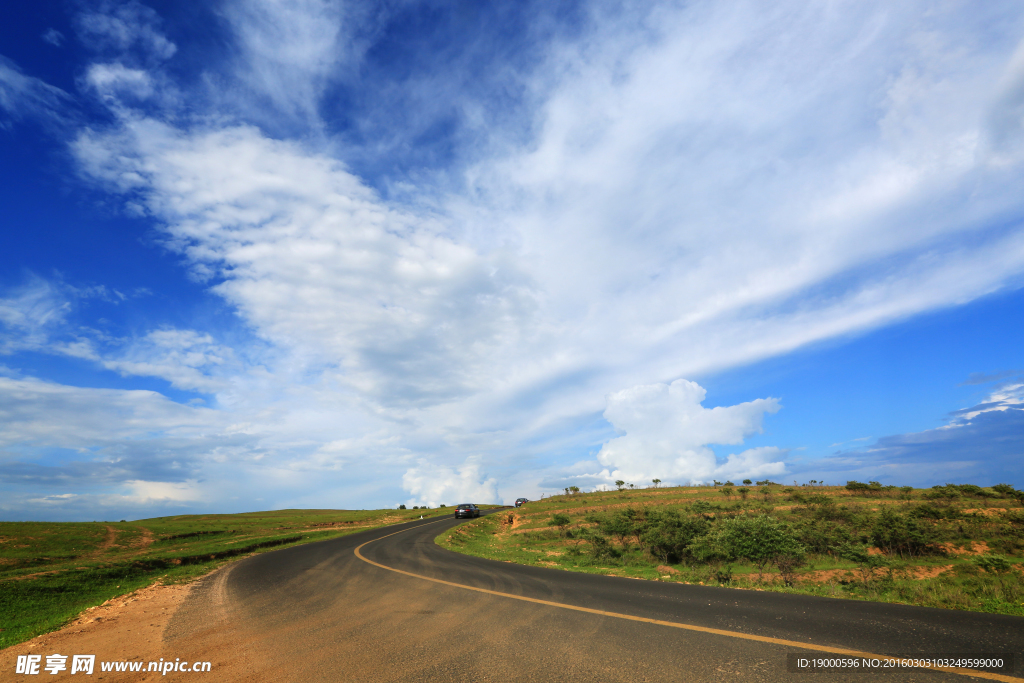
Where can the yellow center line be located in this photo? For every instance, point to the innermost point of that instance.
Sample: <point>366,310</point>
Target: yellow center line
<point>673,624</point>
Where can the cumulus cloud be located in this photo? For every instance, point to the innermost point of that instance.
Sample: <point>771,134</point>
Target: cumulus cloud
<point>667,433</point>
<point>432,485</point>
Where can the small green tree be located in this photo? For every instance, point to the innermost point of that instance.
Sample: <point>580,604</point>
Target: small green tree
<point>727,491</point>
<point>1003,490</point>
<point>763,541</point>
<point>743,491</point>
<point>747,482</point>
<point>866,562</point>
<point>655,482</point>
<point>619,484</point>
<point>898,534</point>
<point>627,525</point>
<point>993,564</point>
<point>561,521</point>
<point>402,506</point>
<point>600,548</point>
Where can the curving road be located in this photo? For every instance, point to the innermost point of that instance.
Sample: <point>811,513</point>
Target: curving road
<point>390,605</point>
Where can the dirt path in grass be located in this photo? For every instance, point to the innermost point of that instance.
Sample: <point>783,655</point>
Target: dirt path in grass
<point>126,628</point>
<point>145,541</point>
<point>108,542</point>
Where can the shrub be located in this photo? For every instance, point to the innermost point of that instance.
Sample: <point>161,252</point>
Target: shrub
<point>1003,490</point>
<point>401,507</point>
<point>626,525</point>
<point>897,534</point>
<point>699,507</point>
<point>932,511</point>
<point>820,536</point>
<point>561,521</point>
<point>667,535</point>
<point>949,492</point>
<point>993,564</point>
<point>743,491</point>
<point>866,562</point>
<point>762,540</point>
<point>600,548</point>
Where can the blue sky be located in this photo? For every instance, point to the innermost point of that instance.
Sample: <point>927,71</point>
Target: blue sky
<point>282,254</point>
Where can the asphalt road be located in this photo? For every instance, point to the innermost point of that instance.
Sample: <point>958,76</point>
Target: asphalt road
<point>320,612</point>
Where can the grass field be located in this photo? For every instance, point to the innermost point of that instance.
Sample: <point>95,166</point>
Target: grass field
<point>52,571</point>
<point>954,547</point>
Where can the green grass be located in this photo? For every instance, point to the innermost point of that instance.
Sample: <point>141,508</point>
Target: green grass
<point>818,517</point>
<point>51,571</point>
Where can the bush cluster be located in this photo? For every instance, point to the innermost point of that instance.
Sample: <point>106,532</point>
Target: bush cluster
<point>714,535</point>
<point>694,536</point>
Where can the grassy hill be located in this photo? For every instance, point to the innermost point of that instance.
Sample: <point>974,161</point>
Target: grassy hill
<point>956,547</point>
<point>51,571</point>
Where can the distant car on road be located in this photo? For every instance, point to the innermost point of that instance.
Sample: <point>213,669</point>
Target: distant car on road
<point>520,501</point>
<point>466,510</point>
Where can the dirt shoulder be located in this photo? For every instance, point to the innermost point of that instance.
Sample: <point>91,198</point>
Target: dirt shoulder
<point>127,628</point>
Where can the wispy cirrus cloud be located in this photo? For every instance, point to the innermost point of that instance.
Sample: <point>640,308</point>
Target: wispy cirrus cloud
<point>684,188</point>
<point>23,97</point>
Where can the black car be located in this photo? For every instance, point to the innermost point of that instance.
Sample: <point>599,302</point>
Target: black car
<point>466,510</point>
<point>520,501</point>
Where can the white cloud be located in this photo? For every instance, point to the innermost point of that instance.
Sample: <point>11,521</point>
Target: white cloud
<point>30,311</point>
<point>289,52</point>
<point>317,263</point>
<point>122,27</point>
<point>24,97</point>
<point>36,412</point>
<point>112,80</point>
<point>703,185</point>
<point>149,492</point>
<point>667,433</point>
<point>53,37</point>
<point>185,358</point>
<point>38,316</point>
<point>432,485</point>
